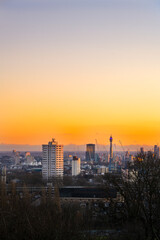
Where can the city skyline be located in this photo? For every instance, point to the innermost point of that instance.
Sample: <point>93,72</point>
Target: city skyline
<point>80,71</point>
<point>76,148</point>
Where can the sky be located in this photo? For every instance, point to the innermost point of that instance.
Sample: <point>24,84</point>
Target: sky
<point>79,70</point>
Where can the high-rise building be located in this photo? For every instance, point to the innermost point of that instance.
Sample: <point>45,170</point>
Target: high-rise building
<point>156,151</point>
<point>76,166</point>
<point>90,152</point>
<point>142,150</point>
<point>52,161</point>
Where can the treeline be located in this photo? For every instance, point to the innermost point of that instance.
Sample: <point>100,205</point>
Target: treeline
<point>21,219</point>
<point>35,179</point>
<point>139,186</point>
<point>22,216</point>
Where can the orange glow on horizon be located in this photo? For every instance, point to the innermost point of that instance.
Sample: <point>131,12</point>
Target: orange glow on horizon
<point>79,75</point>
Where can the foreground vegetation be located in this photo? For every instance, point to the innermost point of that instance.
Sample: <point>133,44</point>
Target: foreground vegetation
<point>137,216</point>
<point>140,188</point>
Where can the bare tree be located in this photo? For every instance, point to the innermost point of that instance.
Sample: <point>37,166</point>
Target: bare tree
<point>140,188</point>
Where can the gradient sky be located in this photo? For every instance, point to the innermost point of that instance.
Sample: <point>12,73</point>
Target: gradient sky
<point>80,70</point>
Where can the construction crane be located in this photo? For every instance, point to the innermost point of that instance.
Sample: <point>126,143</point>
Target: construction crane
<point>122,146</point>
<point>97,145</point>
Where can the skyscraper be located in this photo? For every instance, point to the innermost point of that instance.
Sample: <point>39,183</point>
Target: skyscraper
<point>52,162</point>
<point>142,150</point>
<point>90,152</point>
<point>156,151</point>
<point>76,166</point>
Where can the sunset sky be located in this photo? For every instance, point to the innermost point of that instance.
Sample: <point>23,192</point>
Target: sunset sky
<point>80,70</point>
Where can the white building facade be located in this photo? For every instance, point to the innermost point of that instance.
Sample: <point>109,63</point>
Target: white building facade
<point>76,166</point>
<point>52,161</point>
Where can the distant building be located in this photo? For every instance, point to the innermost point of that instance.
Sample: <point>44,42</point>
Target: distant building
<point>102,170</point>
<point>76,166</point>
<point>16,156</point>
<point>27,154</point>
<point>131,158</point>
<point>29,158</point>
<point>142,150</point>
<point>90,152</point>
<point>128,158</point>
<point>3,177</point>
<point>86,193</point>
<point>156,151</point>
<point>52,161</point>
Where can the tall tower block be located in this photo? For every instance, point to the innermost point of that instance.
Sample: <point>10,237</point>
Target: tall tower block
<point>156,151</point>
<point>76,166</point>
<point>52,161</point>
<point>90,152</point>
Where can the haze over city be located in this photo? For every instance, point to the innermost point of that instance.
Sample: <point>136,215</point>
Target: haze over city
<point>80,71</point>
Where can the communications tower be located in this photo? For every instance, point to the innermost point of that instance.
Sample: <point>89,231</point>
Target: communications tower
<point>111,148</point>
<point>111,163</point>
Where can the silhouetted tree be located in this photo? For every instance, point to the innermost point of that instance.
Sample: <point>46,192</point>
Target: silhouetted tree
<point>140,188</point>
